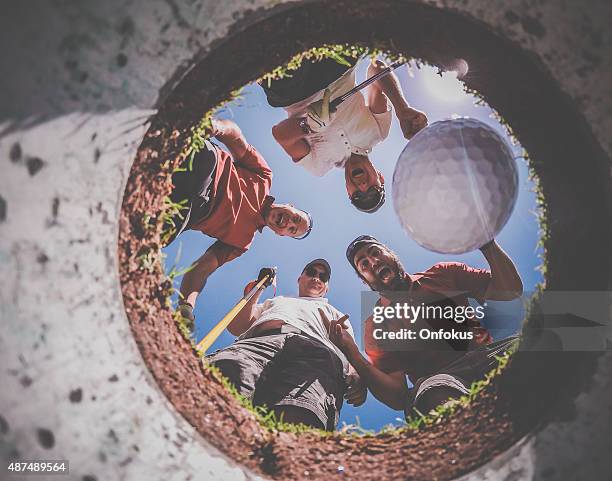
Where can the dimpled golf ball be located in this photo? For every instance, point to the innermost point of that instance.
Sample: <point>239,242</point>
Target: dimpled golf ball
<point>455,185</point>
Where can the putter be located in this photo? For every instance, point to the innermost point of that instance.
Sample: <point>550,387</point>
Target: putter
<point>338,100</point>
<point>216,331</point>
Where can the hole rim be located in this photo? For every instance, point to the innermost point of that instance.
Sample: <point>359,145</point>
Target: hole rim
<point>177,112</point>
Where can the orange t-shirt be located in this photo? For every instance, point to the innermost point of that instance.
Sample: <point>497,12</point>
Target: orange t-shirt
<point>444,283</point>
<point>240,197</point>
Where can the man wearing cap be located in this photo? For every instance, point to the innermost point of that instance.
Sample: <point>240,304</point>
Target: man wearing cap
<point>283,357</point>
<point>226,196</point>
<point>319,140</point>
<point>439,369</point>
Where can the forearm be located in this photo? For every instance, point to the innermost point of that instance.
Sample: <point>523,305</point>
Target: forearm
<point>387,389</point>
<point>192,284</point>
<point>244,319</point>
<point>390,86</point>
<point>230,134</point>
<point>291,137</point>
<point>506,282</point>
<point>194,280</point>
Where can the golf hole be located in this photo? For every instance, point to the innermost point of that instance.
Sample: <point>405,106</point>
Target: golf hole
<point>496,419</point>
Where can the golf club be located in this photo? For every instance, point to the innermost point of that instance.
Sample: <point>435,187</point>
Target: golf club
<point>216,331</point>
<point>337,101</point>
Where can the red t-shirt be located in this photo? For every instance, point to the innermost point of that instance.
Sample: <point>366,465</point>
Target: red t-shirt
<point>446,280</point>
<point>240,195</point>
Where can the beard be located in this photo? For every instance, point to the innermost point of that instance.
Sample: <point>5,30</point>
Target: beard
<point>400,282</point>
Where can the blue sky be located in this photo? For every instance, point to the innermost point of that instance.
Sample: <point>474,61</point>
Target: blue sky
<point>336,222</point>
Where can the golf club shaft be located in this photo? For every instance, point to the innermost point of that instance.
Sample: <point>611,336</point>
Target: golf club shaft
<point>216,331</point>
<point>337,101</point>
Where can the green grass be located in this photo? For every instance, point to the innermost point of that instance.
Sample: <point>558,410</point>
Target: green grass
<point>436,416</point>
<point>184,328</point>
<point>171,211</point>
<point>149,258</point>
<point>270,422</point>
<point>358,430</point>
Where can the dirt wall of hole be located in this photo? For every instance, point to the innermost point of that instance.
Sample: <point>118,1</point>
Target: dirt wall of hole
<point>84,79</point>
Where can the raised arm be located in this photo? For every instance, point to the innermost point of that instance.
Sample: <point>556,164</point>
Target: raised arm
<point>194,281</point>
<point>388,388</point>
<point>230,134</point>
<point>411,120</point>
<point>245,318</point>
<point>505,282</point>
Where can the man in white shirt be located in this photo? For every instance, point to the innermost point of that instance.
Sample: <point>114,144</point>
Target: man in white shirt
<point>346,139</point>
<point>284,358</point>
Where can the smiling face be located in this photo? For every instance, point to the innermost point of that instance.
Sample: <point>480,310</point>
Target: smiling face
<point>286,220</point>
<point>379,267</point>
<point>361,176</point>
<point>313,286</point>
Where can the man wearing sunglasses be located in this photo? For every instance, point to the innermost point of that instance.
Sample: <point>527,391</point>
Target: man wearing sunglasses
<point>283,357</point>
<point>320,140</point>
<point>226,196</point>
<point>440,368</point>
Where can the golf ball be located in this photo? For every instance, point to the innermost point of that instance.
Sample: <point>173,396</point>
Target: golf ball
<point>455,185</point>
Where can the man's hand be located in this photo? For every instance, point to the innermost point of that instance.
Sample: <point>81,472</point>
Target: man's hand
<point>271,271</point>
<point>217,127</point>
<point>412,121</point>
<point>230,134</point>
<point>319,113</point>
<point>506,283</point>
<point>482,336</point>
<point>356,392</point>
<point>338,334</point>
<point>267,271</point>
<point>185,311</point>
<point>488,246</point>
<point>249,286</point>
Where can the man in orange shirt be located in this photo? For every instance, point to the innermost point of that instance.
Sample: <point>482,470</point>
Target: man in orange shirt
<point>228,199</point>
<point>440,368</point>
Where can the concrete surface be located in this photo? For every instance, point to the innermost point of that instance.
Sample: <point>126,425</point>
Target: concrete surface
<point>79,80</point>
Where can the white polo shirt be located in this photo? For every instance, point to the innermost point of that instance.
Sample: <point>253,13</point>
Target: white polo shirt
<point>354,128</point>
<point>303,313</point>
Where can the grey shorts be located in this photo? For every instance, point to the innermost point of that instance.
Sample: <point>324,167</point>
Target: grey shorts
<point>286,370</point>
<point>193,183</point>
<point>458,376</point>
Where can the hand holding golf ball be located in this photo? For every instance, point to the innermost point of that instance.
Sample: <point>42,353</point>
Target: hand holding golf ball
<point>455,185</point>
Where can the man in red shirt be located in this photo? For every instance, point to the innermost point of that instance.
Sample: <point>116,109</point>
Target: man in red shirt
<point>440,367</point>
<point>228,198</point>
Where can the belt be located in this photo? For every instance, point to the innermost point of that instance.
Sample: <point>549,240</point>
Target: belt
<point>289,329</point>
<point>284,329</point>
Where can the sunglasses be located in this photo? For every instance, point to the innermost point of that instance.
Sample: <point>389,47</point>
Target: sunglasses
<point>312,272</point>
<point>373,191</point>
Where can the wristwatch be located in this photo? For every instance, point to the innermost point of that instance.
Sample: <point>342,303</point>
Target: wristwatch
<point>303,125</point>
